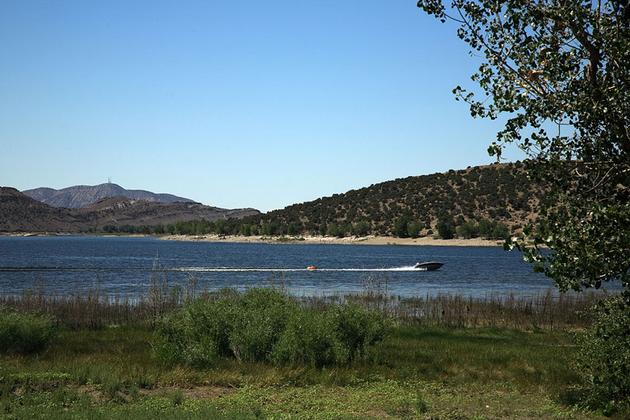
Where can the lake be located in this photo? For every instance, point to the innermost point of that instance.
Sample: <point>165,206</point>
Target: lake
<point>123,266</point>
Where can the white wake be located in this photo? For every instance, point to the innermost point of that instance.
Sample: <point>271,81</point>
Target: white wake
<point>283,270</point>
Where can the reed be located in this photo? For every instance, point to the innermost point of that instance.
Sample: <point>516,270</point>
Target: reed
<point>95,309</point>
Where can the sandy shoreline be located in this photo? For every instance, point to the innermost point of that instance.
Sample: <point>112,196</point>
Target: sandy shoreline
<point>366,240</point>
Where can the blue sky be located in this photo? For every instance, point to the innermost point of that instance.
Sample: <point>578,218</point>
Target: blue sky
<point>232,103</point>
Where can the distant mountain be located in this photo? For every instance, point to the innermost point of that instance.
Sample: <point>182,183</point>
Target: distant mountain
<point>81,196</point>
<point>20,213</point>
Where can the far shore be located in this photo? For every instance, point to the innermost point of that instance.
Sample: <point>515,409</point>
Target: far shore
<point>352,240</point>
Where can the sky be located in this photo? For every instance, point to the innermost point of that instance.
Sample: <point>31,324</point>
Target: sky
<point>232,103</point>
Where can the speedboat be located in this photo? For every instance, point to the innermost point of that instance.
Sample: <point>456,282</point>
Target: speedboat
<point>428,266</point>
<point>311,268</point>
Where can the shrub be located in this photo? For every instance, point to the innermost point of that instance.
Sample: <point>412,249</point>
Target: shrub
<point>261,318</point>
<point>356,329</point>
<point>23,332</point>
<point>337,336</point>
<point>197,334</point>
<point>308,339</point>
<point>266,325</point>
<point>604,357</point>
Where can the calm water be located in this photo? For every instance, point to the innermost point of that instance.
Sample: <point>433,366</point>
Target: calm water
<point>123,266</point>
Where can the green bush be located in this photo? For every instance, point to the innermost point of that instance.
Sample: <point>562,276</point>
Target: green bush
<point>23,332</point>
<point>266,325</point>
<point>604,357</point>
<point>262,315</point>
<point>308,339</point>
<point>356,329</point>
<point>199,333</point>
<point>337,336</point>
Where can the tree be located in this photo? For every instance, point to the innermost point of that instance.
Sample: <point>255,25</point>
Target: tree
<point>413,229</point>
<point>332,230</point>
<point>400,228</point>
<point>361,228</point>
<point>558,71</point>
<point>445,229</point>
<point>467,230</point>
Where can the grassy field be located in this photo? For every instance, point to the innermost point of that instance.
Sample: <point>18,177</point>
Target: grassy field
<point>417,372</point>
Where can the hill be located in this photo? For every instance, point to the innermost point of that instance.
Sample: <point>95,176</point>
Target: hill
<point>80,196</point>
<point>121,212</point>
<point>20,213</point>
<point>489,201</point>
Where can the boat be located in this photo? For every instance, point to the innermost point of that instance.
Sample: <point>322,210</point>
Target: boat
<point>428,266</point>
<point>311,268</point>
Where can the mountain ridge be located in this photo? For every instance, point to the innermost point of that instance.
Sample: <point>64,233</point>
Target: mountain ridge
<point>81,196</point>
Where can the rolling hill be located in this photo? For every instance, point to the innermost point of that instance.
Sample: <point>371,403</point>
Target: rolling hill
<point>495,195</point>
<point>20,213</point>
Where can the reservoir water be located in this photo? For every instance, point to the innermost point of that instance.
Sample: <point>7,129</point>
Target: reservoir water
<point>124,266</point>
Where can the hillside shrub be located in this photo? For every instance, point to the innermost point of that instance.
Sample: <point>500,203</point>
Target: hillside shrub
<point>23,332</point>
<point>265,325</point>
<point>604,357</point>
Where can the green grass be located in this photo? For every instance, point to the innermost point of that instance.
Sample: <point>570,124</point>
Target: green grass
<point>419,372</point>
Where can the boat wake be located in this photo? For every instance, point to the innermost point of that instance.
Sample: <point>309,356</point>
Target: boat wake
<point>211,269</point>
<point>286,270</point>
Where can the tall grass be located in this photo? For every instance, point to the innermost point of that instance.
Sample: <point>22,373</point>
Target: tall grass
<point>95,309</point>
<point>545,311</point>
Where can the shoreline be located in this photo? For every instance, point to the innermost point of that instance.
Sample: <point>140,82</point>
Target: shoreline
<point>363,240</point>
<point>307,239</point>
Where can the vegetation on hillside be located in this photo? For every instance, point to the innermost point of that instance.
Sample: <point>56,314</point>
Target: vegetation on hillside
<point>487,201</point>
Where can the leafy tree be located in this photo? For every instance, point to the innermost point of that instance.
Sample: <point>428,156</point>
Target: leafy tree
<point>445,229</point>
<point>558,71</point>
<point>293,229</point>
<point>246,229</point>
<point>332,229</point>
<point>401,227</point>
<point>469,229</point>
<point>485,228</point>
<point>500,231</point>
<point>361,228</point>
<point>413,229</point>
